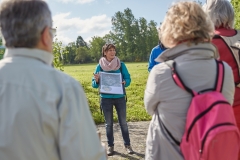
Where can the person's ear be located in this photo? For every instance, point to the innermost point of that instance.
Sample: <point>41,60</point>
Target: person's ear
<point>46,37</point>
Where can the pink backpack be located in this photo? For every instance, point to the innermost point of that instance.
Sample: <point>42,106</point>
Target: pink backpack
<point>210,132</point>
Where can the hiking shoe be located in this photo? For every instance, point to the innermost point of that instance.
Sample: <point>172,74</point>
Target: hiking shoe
<point>110,150</point>
<point>129,149</point>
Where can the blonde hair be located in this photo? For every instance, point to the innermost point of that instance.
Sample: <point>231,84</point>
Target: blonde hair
<point>221,13</point>
<point>186,21</point>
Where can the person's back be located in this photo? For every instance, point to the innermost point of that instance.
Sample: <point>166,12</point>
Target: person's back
<point>44,113</point>
<point>186,31</point>
<point>40,107</point>
<point>222,15</point>
<point>227,56</point>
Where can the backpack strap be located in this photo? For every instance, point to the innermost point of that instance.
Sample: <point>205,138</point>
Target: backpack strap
<point>220,76</point>
<point>218,81</point>
<point>233,44</point>
<point>168,132</point>
<point>177,79</point>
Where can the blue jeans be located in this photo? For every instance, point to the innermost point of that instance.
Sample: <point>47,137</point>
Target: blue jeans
<point>120,106</point>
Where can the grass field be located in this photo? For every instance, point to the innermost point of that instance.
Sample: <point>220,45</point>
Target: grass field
<point>135,92</point>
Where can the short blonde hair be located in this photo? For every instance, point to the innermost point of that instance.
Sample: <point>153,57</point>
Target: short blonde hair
<point>221,13</point>
<point>186,21</point>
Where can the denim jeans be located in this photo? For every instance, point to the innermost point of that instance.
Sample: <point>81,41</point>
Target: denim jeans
<point>120,106</point>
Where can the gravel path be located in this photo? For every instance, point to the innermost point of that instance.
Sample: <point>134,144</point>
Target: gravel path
<point>138,135</point>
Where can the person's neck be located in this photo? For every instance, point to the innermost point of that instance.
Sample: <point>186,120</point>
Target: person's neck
<point>109,60</point>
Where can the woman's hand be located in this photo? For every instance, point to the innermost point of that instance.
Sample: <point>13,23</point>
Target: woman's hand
<point>124,82</point>
<point>96,77</point>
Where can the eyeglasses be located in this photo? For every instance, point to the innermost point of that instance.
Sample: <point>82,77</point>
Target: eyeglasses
<point>53,31</point>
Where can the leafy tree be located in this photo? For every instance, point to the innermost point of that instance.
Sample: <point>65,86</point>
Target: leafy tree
<point>82,55</point>
<point>58,52</point>
<point>236,6</point>
<point>152,37</point>
<point>71,50</point>
<point>124,29</point>
<point>96,47</point>
<point>80,42</point>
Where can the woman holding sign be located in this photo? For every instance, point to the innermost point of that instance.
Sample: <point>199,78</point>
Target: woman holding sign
<point>110,66</point>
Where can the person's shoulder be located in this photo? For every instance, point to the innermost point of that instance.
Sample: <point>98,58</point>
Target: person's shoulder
<point>156,47</point>
<point>161,68</point>
<point>65,79</point>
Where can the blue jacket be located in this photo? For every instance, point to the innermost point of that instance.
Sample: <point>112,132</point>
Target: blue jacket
<point>125,75</point>
<point>156,51</point>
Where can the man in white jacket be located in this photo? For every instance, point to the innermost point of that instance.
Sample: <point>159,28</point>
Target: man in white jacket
<point>44,114</point>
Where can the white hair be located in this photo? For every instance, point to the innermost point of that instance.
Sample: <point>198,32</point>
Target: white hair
<point>221,13</point>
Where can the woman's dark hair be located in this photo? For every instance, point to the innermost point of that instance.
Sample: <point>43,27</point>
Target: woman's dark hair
<point>106,47</point>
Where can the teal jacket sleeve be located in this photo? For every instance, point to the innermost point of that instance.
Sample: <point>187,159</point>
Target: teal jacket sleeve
<point>125,74</point>
<point>94,83</point>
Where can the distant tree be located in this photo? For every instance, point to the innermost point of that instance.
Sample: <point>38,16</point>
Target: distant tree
<point>124,28</point>
<point>152,37</point>
<point>236,6</point>
<point>71,49</point>
<point>80,42</point>
<point>96,47</point>
<point>82,55</point>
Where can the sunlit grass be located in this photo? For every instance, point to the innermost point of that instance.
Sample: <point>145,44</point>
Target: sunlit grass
<point>135,92</point>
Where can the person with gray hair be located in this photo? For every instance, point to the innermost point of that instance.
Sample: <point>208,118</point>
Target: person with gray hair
<point>44,113</point>
<point>221,13</point>
<point>187,33</point>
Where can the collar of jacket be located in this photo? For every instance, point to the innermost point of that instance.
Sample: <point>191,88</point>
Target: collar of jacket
<point>201,50</point>
<point>45,57</point>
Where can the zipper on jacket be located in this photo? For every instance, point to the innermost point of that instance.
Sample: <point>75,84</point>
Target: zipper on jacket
<point>212,128</point>
<point>202,114</point>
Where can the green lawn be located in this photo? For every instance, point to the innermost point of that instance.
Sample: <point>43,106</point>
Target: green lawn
<point>135,92</point>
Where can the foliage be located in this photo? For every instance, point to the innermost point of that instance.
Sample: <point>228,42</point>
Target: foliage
<point>58,51</point>
<point>80,42</point>
<point>133,38</point>
<point>71,50</point>
<point>82,55</point>
<point>135,92</point>
<point>96,47</point>
<point>236,6</point>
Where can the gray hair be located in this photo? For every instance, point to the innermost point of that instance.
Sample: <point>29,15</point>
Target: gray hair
<point>22,22</point>
<point>221,13</point>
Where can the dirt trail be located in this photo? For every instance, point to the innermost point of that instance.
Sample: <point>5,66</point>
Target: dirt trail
<point>138,135</point>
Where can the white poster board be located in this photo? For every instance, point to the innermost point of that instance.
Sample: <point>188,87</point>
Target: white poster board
<point>111,83</point>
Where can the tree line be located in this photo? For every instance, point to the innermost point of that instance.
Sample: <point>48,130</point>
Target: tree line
<point>133,38</point>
